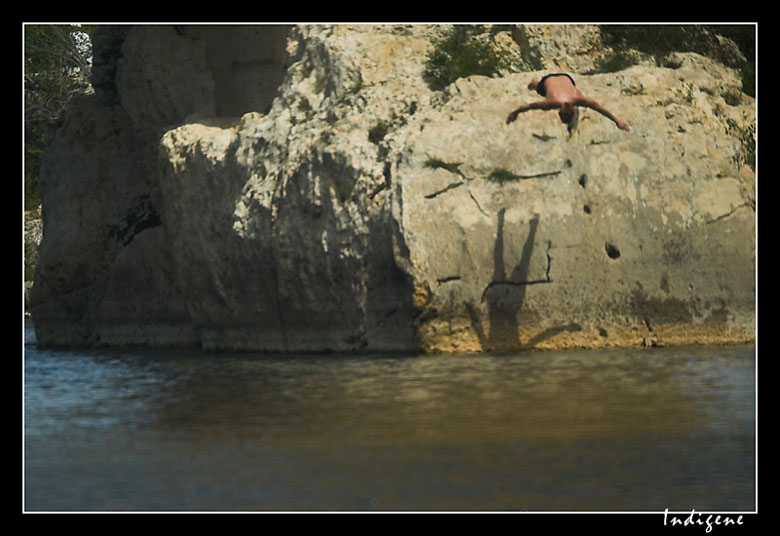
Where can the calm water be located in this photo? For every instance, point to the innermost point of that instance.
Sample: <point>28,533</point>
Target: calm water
<point>154,430</point>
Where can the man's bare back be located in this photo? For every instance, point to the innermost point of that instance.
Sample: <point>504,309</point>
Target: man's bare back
<point>560,93</point>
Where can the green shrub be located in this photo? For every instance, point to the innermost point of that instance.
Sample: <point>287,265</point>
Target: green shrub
<point>435,163</point>
<point>501,176</point>
<point>378,132</point>
<point>57,66</point>
<point>463,51</point>
<point>659,40</point>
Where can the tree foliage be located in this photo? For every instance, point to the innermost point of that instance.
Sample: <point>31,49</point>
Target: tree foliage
<point>57,68</point>
<point>462,51</point>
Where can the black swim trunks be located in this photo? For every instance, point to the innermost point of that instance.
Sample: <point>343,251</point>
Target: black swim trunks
<point>540,89</point>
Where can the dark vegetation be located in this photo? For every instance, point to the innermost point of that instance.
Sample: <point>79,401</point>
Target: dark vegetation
<point>57,65</point>
<point>464,50</point>
<point>659,40</point>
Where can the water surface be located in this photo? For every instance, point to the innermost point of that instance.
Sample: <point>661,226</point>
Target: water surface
<point>183,430</point>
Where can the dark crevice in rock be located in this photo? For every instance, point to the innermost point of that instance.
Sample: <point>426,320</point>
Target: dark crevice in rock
<point>435,163</point>
<point>479,207</point>
<point>502,175</point>
<point>139,218</point>
<point>445,189</point>
<point>730,213</point>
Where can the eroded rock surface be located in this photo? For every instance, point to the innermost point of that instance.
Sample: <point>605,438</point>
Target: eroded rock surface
<point>358,210</point>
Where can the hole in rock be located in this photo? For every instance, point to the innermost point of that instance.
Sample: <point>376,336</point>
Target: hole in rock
<point>612,251</point>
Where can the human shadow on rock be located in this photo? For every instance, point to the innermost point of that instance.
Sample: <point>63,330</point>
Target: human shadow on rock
<point>505,295</point>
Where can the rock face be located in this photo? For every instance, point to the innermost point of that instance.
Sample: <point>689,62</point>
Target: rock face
<point>302,189</point>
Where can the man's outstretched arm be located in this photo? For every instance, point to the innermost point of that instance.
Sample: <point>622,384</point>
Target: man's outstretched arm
<point>593,105</point>
<point>538,105</point>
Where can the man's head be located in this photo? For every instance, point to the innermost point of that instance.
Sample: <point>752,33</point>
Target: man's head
<point>566,113</point>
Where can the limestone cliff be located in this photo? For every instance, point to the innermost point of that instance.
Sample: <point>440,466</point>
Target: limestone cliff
<point>303,189</point>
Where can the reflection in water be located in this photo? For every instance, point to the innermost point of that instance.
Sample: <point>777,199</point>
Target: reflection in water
<point>180,430</point>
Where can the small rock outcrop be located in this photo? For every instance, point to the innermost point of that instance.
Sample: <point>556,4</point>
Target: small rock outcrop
<point>303,189</point>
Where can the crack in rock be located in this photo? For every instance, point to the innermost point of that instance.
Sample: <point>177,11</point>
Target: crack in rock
<point>547,278</point>
<point>445,189</point>
<point>479,207</point>
<point>503,175</point>
<point>497,175</point>
<point>729,213</point>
